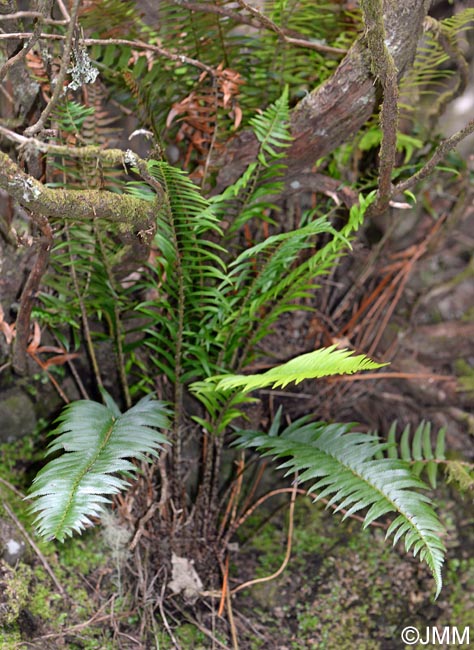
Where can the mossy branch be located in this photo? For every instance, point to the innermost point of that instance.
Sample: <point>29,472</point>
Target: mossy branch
<point>131,214</point>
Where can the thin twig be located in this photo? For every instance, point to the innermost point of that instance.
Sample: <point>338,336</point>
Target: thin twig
<point>163,615</point>
<point>12,488</point>
<point>230,614</point>
<point>140,45</point>
<point>33,14</point>
<point>35,36</point>
<point>95,618</point>
<point>286,559</point>
<point>64,10</point>
<point>141,525</point>
<point>443,148</point>
<point>384,68</point>
<point>200,627</point>
<point>284,35</point>
<point>42,558</point>
<point>59,81</point>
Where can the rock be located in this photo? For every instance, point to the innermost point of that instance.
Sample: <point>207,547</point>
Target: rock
<point>17,415</point>
<point>12,545</point>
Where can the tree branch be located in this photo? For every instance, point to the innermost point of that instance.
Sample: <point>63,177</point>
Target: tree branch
<point>445,146</point>
<point>46,8</point>
<point>332,112</point>
<point>59,81</point>
<point>132,215</point>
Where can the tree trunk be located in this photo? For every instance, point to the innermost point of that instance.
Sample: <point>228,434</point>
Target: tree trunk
<point>334,111</point>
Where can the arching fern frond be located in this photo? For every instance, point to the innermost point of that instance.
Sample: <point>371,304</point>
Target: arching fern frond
<point>341,465</point>
<point>320,363</point>
<point>99,441</point>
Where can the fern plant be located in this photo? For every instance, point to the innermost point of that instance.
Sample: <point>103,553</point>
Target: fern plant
<point>213,303</point>
<point>426,454</point>
<point>98,442</point>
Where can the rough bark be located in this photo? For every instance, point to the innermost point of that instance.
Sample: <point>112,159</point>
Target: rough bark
<point>334,111</point>
<point>133,216</point>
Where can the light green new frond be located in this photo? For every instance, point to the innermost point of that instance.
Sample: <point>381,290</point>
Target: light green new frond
<point>98,442</point>
<point>320,363</point>
<point>342,467</point>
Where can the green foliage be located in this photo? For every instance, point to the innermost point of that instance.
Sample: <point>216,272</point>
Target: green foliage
<point>342,466</point>
<point>320,363</point>
<point>71,115</point>
<point>425,452</point>
<point>98,440</point>
<point>213,301</point>
<point>429,75</point>
<point>249,197</point>
<point>406,144</point>
<point>418,449</point>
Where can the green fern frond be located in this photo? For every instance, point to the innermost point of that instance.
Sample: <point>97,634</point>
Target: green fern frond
<point>320,363</point>
<point>99,442</point>
<point>222,407</point>
<point>190,278</point>
<point>248,198</point>
<point>271,128</point>
<point>342,466</point>
<point>429,74</point>
<point>424,451</point>
<point>71,115</point>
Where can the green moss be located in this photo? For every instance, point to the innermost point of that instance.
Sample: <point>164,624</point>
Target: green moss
<point>190,636</point>
<point>14,590</point>
<point>10,637</point>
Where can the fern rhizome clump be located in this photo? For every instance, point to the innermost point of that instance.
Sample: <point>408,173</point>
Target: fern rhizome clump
<point>167,268</point>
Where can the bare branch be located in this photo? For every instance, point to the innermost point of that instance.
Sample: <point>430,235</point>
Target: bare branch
<point>445,147</point>
<point>133,215</point>
<point>33,14</point>
<point>59,81</point>
<point>32,41</point>
<point>139,45</point>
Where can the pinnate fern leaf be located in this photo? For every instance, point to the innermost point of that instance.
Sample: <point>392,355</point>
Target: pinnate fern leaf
<point>342,467</point>
<point>99,442</point>
<point>320,363</point>
<point>424,450</point>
